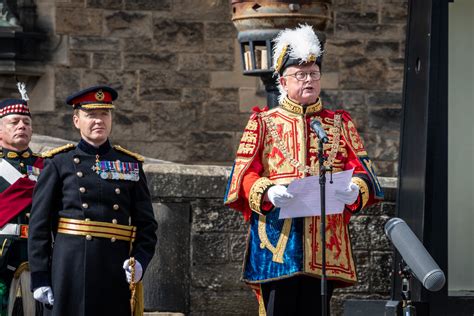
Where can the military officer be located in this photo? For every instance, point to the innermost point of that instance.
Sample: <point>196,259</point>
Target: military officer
<point>283,257</point>
<point>91,213</point>
<point>19,169</point>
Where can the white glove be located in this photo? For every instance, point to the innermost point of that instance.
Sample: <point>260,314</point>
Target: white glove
<point>348,196</point>
<point>279,196</point>
<point>44,294</point>
<point>138,271</point>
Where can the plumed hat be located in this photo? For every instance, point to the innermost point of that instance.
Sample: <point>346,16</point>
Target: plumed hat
<point>295,47</point>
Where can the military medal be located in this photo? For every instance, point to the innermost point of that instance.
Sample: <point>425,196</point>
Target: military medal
<point>32,172</point>
<point>117,170</point>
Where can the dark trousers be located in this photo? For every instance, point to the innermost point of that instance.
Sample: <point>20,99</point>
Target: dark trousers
<point>298,295</point>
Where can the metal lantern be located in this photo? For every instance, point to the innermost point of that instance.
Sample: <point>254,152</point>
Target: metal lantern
<point>258,23</point>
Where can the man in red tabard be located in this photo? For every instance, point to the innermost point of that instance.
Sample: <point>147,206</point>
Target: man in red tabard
<point>283,258</point>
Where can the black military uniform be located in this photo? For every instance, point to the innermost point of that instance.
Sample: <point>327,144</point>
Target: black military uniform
<point>93,205</point>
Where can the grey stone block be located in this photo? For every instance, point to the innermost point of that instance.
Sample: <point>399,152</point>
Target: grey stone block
<point>385,119</point>
<point>359,232</point>
<point>94,43</point>
<point>127,24</point>
<point>210,248</point>
<point>357,17</point>
<point>161,5</point>
<point>223,303</point>
<point>167,280</point>
<point>78,21</point>
<point>174,180</point>
<point>106,60</point>
<point>378,239</point>
<point>213,216</point>
<point>381,271</point>
<point>218,277</point>
<point>105,4</point>
<point>149,60</point>
<point>364,308</point>
<point>179,35</point>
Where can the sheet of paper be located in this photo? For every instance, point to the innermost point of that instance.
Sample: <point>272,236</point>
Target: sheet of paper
<point>8,172</point>
<point>307,197</point>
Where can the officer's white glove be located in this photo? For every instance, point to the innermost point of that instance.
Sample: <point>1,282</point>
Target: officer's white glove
<point>44,294</point>
<point>349,195</point>
<point>279,196</point>
<point>138,271</point>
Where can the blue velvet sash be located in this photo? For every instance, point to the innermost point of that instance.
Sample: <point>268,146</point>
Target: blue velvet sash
<point>259,266</point>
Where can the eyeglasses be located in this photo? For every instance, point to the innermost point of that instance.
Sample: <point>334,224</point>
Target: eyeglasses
<point>301,75</point>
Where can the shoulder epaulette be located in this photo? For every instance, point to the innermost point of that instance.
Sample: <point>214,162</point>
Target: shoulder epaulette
<point>128,152</point>
<point>55,151</point>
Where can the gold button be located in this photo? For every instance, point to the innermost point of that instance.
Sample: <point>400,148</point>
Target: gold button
<point>27,215</point>
<point>88,237</point>
<point>85,205</point>
<point>77,160</point>
<point>114,221</point>
<point>22,164</point>
<point>80,174</point>
<point>87,219</point>
<point>113,239</point>
<point>116,207</point>
<point>82,190</point>
<point>117,190</point>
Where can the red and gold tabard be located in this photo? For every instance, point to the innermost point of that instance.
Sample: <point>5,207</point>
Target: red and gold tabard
<point>277,147</point>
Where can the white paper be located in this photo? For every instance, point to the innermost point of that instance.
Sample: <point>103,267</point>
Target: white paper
<point>8,172</point>
<point>306,199</point>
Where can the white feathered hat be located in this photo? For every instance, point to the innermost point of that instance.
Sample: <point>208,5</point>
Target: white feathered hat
<point>295,47</point>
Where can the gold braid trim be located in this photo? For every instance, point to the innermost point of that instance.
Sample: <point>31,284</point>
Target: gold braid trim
<point>295,163</point>
<point>335,141</point>
<point>93,106</point>
<point>128,152</point>
<point>363,188</point>
<point>278,250</point>
<point>256,194</point>
<point>296,108</point>
<point>55,151</point>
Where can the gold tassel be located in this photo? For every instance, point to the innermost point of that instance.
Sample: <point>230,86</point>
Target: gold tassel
<point>139,300</point>
<point>132,285</point>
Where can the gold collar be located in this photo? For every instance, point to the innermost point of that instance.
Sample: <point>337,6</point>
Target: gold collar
<point>294,107</point>
<point>13,155</point>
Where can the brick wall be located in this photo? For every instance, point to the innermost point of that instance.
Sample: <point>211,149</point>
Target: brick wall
<point>182,96</point>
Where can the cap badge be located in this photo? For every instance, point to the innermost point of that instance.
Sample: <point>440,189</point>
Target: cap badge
<point>99,96</point>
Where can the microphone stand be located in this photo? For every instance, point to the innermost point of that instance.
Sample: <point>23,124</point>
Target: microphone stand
<point>408,309</point>
<point>322,184</point>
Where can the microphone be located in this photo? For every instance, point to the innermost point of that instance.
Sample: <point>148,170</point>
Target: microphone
<point>319,130</point>
<point>415,254</point>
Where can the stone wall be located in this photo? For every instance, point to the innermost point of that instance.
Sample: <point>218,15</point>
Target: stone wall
<point>189,208</point>
<point>178,71</point>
